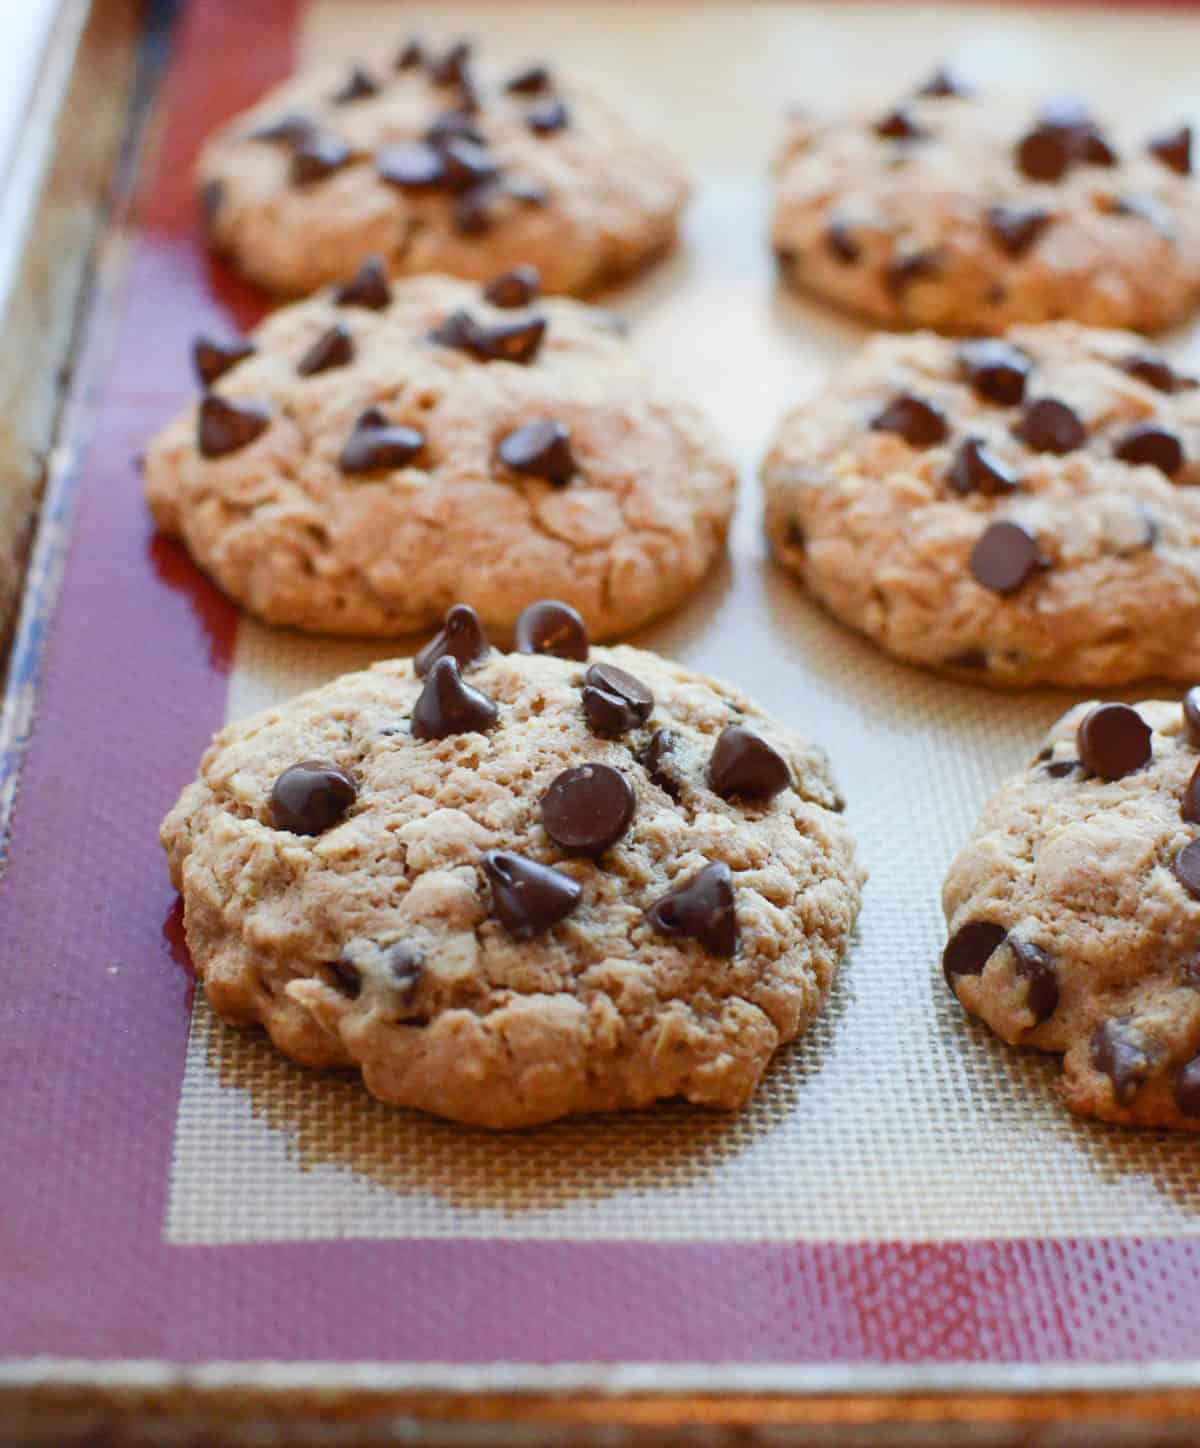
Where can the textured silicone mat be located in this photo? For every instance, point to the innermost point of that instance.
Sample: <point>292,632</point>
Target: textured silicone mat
<point>904,1189</point>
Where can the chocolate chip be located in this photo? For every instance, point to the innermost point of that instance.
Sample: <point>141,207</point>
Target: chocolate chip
<point>1187,1087</point>
<point>358,86</point>
<point>411,165</point>
<point>1113,740</point>
<point>919,423</point>
<point>532,193</point>
<point>701,908</point>
<point>1118,1050</point>
<point>1016,228</point>
<point>516,288</point>
<point>1045,153</point>
<point>1060,768</point>
<point>454,126</point>
<point>451,68</point>
<point>1149,442</point>
<point>997,371</point>
<point>529,81</point>
<point>841,243</point>
<point>945,82</point>
<point>1191,716</point>
<point>1036,967</point>
<point>615,701</point>
<point>411,55</point>
<point>908,267</point>
<point>1154,370</point>
<point>377,445</point>
<point>973,659</point>
<point>1005,556</point>
<point>1050,426</point>
<point>223,427</point>
<point>517,342</point>
<point>448,705</point>
<point>900,125</point>
<point>213,359</point>
<point>334,348</point>
<point>311,797</point>
<point>546,117</point>
<point>345,978</point>
<point>528,898</point>
<point>318,157</point>
<point>1187,868</point>
<point>211,198</point>
<point>970,948</point>
<point>292,129</point>
<point>405,964</point>
<point>1190,808</point>
<point>975,470</point>
<point>466,165</point>
<point>551,627</point>
<point>462,637</point>
<point>540,449</point>
<point>368,287</point>
<point>743,764</point>
<point>663,764</point>
<point>473,209</point>
<point>588,808</point>
<point>1173,149</point>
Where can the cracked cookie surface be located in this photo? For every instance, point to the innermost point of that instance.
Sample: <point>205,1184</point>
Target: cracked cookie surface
<point>559,908</point>
<point>1013,511</point>
<point>363,465</point>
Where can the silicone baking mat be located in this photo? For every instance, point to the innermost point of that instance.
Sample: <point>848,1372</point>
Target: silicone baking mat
<point>903,1189</point>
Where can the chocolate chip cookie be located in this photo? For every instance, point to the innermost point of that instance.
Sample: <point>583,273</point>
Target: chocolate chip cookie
<point>510,887</point>
<point>437,162</point>
<point>1014,510</point>
<point>373,454</point>
<point>968,212</point>
<point>1074,911</point>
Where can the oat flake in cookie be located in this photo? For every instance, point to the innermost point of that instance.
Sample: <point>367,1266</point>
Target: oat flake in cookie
<point>967,212</point>
<point>1015,510</point>
<point>1074,911</point>
<point>505,904</point>
<point>437,161</point>
<point>375,453</point>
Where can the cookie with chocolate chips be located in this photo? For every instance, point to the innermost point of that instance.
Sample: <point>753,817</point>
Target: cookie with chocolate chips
<point>968,212</point>
<point>388,445</point>
<point>1073,912</point>
<point>1014,510</point>
<point>504,903</point>
<point>442,163</point>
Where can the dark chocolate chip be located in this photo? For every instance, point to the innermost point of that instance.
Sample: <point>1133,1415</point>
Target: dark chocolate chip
<point>551,627</point>
<point>663,764</point>
<point>473,209</point>
<point>461,636</point>
<point>451,67</point>
<point>976,470</point>
<point>1016,228</point>
<point>213,359</point>
<point>1149,442</point>
<point>1173,149</point>
<point>701,908</point>
<point>900,125</point>
<point>743,764</point>
<point>211,197</point>
<point>334,348</point>
<point>974,659</point>
<point>546,117</point>
<point>1113,740</point>
<point>411,55</point>
<point>292,129</point>
<point>377,445</point>
<point>368,287</point>
<point>970,948</point>
<point>945,82</point>
<point>311,797</point>
<point>1190,808</point>
<point>841,243</point>
<point>405,964</point>
<point>1060,768</point>
<point>411,165</point>
<point>1191,716</point>
<point>345,978</point>
<point>588,808</point>
<point>908,267</point>
<point>918,422</point>
<point>1154,370</point>
<point>1036,968</point>
<point>997,371</point>
<point>223,426</point>
<point>1050,426</point>
<point>1045,153</point>
<point>528,898</point>
<point>529,81</point>
<point>516,288</point>
<point>1187,1087</point>
<point>505,342</point>
<point>318,157</point>
<point>454,126</point>
<point>615,701</point>
<point>1005,556</point>
<point>1187,868</point>
<point>448,705</point>
<point>358,86</point>
<point>466,165</point>
<point>540,449</point>
<point>1119,1051</point>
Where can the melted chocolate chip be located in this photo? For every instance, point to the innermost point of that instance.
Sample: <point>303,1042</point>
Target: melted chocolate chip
<point>908,267</point>
<point>451,67</point>
<point>841,243</point>
<point>551,627</point>
<point>411,56</point>
<point>547,117</point>
<point>1036,968</point>
<point>541,450</point>
<point>405,965</point>
<point>588,808</point>
<point>345,978</point>
<point>1191,716</point>
<point>377,445</point>
<point>317,157</point>
<point>945,82</point>
<point>1187,868</point>
<point>529,81</point>
<point>970,948</point>
<point>1017,228</point>
<point>311,797</point>
<point>997,371</point>
<point>743,764</point>
<point>974,659</point>
<point>462,637</point>
<point>900,125</point>
<point>919,423</point>
<point>1154,370</point>
<point>1173,149</point>
<point>368,287</point>
<point>1149,442</point>
<point>292,129</point>
<point>224,427</point>
<point>614,701</point>
<point>1113,740</point>
<point>701,908</point>
<point>1119,1051</point>
<point>528,898</point>
<point>516,288</point>
<point>1190,807</point>
<point>334,348</point>
<point>663,764</point>
<point>1187,1087</point>
<point>448,705</point>
<point>1050,426</point>
<point>213,359</point>
<point>412,165</point>
<point>517,342</point>
<point>1005,556</point>
<point>976,470</point>
<point>358,86</point>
